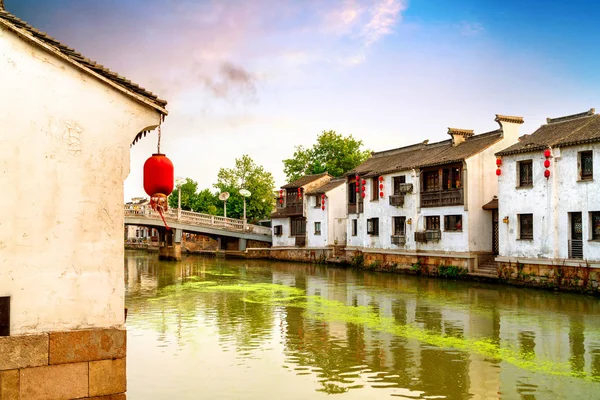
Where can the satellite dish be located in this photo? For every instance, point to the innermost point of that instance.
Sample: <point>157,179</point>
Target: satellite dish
<point>224,196</point>
<point>245,193</point>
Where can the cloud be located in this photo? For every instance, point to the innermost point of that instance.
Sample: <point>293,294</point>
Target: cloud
<point>231,78</point>
<point>470,28</point>
<point>384,15</point>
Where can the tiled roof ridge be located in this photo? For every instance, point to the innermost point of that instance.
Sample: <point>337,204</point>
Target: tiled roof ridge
<point>459,131</point>
<point>588,113</point>
<point>23,28</point>
<point>399,150</point>
<point>509,118</point>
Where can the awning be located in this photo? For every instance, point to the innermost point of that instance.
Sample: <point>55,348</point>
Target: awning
<point>492,205</point>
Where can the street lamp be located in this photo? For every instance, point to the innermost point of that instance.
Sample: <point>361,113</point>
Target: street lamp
<point>178,182</point>
<point>223,197</point>
<point>245,193</point>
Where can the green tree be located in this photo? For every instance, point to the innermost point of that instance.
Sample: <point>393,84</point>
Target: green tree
<point>247,175</point>
<point>203,201</point>
<point>333,153</point>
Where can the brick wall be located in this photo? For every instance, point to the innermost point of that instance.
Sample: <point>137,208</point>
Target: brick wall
<point>64,365</point>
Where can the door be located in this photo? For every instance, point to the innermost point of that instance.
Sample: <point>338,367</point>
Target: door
<point>576,242</point>
<point>495,233</point>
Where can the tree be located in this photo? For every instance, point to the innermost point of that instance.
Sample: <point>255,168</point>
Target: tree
<point>333,153</point>
<point>204,201</point>
<point>247,175</point>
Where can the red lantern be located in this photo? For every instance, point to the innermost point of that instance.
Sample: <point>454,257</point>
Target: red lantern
<point>158,180</point>
<point>280,191</point>
<point>322,207</point>
<point>364,182</point>
<point>381,179</point>
<point>357,178</point>
<point>363,195</point>
<point>322,196</point>
<point>547,173</point>
<point>299,193</point>
<point>381,186</point>
<point>357,189</point>
<point>364,188</point>
<point>498,172</point>
<point>380,194</point>
<point>498,161</point>
<point>547,153</point>
<point>547,163</point>
<point>280,201</point>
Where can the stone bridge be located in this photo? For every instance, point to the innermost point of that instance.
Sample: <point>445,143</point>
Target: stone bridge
<point>192,222</point>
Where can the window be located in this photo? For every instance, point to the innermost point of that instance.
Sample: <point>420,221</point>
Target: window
<point>277,230</point>
<point>595,216</point>
<point>354,227</point>
<point>525,171</point>
<point>373,226</point>
<point>375,188</point>
<point>317,228</point>
<point>317,203</point>
<point>586,166</point>
<point>298,226</point>
<point>526,226</point>
<point>399,226</point>
<point>5,316</point>
<point>352,193</point>
<point>451,178</point>
<point>398,180</point>
<point>453,223</point>
<point>432,223</point>
<point>430,181</point>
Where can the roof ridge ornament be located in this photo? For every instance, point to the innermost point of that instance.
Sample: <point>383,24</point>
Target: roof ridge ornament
<point>459,135</point>
<point>588,113</point>
<point>509,118</point>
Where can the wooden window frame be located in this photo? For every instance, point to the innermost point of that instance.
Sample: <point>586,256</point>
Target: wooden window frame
<point>453,223</point>
<point>352,195</point>
<point>525,235</point>
<point>397,181</point>
<point>317,224</point>
<point>354,227</point>
<point>432,223</point>
<point>373,226</point>
<point>586,176</point>
<point>375,188</point>
<point>396,222</point>
<point>595,225</point>
<point>521,182</point>
<point>278,230</point>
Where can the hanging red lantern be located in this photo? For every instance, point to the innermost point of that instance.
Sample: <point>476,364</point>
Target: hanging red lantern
<point>357,189</point>
<point>322,196</point>
<point>547,173</point>
<point>380,194</point>
<point>322,207</point>
<point>364,181</point>
<point>363,195</point>
<point>357,178</point>
<point>498,172</point>
<point>381,186</point>
<point>281,191</point>
<point>381,179</point>
<point>158,182</point>
<point>299,193</point>
<point>498,161</point>
<point>547,163</point>
<point>547,153</point>
<point>364,188</point>
<point>280,201</point>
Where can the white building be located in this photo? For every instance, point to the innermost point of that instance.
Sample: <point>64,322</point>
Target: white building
<point>310,212</point>
<point>66,125</point>
<point>558,216</point>
<point>429,197</point>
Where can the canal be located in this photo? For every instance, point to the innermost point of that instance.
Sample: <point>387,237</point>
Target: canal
<point>208,328</point>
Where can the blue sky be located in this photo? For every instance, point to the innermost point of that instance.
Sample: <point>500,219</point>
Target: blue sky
<point>259,77</point>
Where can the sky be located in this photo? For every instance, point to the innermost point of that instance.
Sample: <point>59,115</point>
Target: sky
<point>260,77</point>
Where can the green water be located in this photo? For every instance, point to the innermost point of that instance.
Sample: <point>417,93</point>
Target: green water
<point>235,329</point>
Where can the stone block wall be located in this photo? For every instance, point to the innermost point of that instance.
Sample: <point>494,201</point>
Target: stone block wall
<point>88,364</point>
<point>579,278</point>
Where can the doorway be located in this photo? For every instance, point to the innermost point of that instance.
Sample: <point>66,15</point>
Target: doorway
<point>495,233</point>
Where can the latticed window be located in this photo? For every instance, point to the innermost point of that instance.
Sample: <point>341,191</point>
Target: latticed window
<point>595,225</point>
<point>453,223</point>
<point>526,226</point>
<point>526,173</point>
<point>430,181</point>
<point>432,223</point>
<point>373,226</point>
<point>398,180</point>
<point>298,227</point>
<point>587,165</point>
<point>399,226</point>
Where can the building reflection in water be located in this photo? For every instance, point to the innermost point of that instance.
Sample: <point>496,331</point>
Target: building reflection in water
<point>346,357</point>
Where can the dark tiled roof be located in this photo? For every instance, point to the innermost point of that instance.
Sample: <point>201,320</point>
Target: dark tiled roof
<point>559,132</point>
<point>305,180</point>
<point>425,155</point>
<point>327,187</point>
<point>27,30</point>
<point>492,205</point>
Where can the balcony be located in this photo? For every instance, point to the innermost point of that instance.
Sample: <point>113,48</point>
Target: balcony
<point>453,197</point>
<point>405,188</point>
<point>399,240</point>
<point>428,236</point>
<point>356,208</point>
<point>290,210</point>
<point>397,200</point>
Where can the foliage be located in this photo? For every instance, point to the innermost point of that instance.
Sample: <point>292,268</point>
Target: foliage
<point>247,175</point>
<point>357,260</point>
<point>333,153</point>
<point>451,271</point>
<point>204,201</point>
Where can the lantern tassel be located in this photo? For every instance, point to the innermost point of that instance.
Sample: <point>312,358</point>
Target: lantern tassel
<point>163,218</point>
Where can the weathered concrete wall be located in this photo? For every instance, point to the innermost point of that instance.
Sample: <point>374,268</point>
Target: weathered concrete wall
<point>65,140</point>
<point>285,239</point>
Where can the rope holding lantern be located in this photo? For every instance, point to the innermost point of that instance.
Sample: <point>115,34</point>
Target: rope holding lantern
<point>159,180</point>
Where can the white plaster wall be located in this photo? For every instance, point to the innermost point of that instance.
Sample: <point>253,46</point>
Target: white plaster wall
<point>335,210</point>
<point>65,139</point>
<point>536,200</point>
<point>451,241</point>
<point>286,239</point>
<point>313,215</point>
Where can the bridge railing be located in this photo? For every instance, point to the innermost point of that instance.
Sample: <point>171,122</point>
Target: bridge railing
<point>194,218</point>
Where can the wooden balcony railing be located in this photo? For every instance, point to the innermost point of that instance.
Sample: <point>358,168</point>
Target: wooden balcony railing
<point>428,236</point>
<point>397,200</point>
<point>356,208</point>
<point>291,209</point>
<point>399,240</point>
<point>453,197</point>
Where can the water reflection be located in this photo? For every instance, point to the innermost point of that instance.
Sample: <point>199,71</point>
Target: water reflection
<point>232,329</point>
